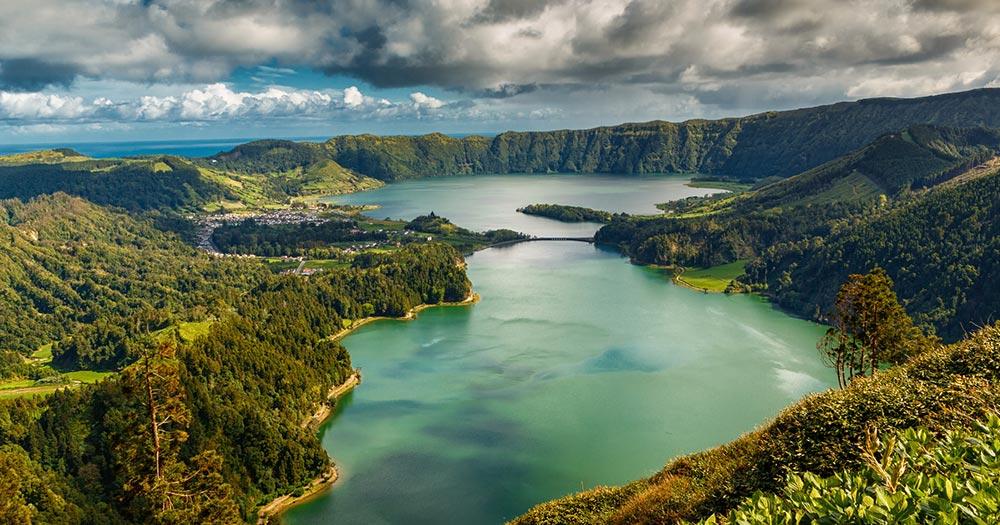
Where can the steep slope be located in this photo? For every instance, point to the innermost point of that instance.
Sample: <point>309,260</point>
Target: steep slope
<point>913,158</point>
<point>921,203</point>
<point>267,156</point>
<point>755,147</point>
<point>66,262</point>
<point>942,250</point>
<point>404,157</point>
<point>279,169</point>
<point>789,142</point>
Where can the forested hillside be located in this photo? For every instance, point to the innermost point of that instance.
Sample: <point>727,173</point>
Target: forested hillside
<point>919,202</point>
<point>779,144</point>
<point>942,250</point>
<point>173,183</point>
<point>66,262</point>
<point>282,168</point>
<point>235,397</point>
<point>911,159</point>
<point>166,182</point>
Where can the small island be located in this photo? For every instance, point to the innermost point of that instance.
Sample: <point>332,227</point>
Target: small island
<point>565,213</point>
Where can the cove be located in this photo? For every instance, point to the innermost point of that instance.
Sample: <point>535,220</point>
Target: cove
<point>575,369</point>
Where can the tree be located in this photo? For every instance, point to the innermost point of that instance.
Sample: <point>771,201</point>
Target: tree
<point>13,508</point>
<point>160,483</point>
<point>870,328</point>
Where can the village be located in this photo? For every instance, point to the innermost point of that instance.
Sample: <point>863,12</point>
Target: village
<point>385,238</point>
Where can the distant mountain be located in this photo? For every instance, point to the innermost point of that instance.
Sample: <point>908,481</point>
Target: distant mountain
<point>757,147</point>
<point>252,175</point>
<point>773,144</point>
<point>913,158</point>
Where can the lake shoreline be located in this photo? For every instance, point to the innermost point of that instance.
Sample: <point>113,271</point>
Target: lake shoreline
<point>676,277</point>
<point>316,486</point>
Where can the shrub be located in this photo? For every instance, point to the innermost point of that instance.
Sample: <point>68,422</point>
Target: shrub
<point>912,477</point>
<point>822,434</point>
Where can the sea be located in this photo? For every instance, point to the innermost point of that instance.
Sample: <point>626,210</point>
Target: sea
<point>184,148</point>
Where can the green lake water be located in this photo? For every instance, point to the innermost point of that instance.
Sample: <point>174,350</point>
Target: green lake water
<point>575,369</point>
<point>484,202</point>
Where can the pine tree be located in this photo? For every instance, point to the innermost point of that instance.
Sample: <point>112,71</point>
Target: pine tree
<point>870,328</point>
<point>161,485</point>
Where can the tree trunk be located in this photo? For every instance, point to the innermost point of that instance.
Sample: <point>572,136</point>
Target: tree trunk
<point>154,427</point>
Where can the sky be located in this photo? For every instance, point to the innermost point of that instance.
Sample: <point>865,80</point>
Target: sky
<point>102,70</point>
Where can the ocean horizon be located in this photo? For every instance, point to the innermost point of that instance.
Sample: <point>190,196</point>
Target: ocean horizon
<point>186,148</point>
<point>183,147</point>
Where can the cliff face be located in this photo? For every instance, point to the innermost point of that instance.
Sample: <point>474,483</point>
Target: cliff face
<point>768,144</point>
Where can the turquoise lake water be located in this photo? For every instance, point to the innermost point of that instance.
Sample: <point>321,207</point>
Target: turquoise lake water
<point>575,369</point>
<point>482,202</point>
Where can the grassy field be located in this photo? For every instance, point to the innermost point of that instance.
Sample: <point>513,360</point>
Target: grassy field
<point>714,279</point>
<point>727,185</point>
<point>43,354</point>
<point>191,331</point>
<point>86,376</point>
<point>326,264</point>
<point>30,387</point>
<point>378,224</point>
<point>16,383</point>
<point>40,157</point>
<point>30,392</point>
<point>277,264</point>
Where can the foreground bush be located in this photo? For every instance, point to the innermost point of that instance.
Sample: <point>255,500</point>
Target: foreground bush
<point>912,477</point>
<point>823,434</point>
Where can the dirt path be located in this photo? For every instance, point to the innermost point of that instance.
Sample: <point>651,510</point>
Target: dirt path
<point>317,485</point>
<point>36,389</point>
<point>335,393</point>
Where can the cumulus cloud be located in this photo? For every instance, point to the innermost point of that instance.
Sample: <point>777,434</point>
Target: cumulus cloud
<point>353,97</point>
<point>726,54</point>
<point>215,102</point>
<point>37,106</point>
<point>421,100</point>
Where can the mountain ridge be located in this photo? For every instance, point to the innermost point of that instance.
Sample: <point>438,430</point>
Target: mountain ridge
<point>752,147</point>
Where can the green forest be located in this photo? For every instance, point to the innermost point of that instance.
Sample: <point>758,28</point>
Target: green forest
<point>561,212</point>
<point>152,382</point>
<point>920,203</point>
<point>110,286</point>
